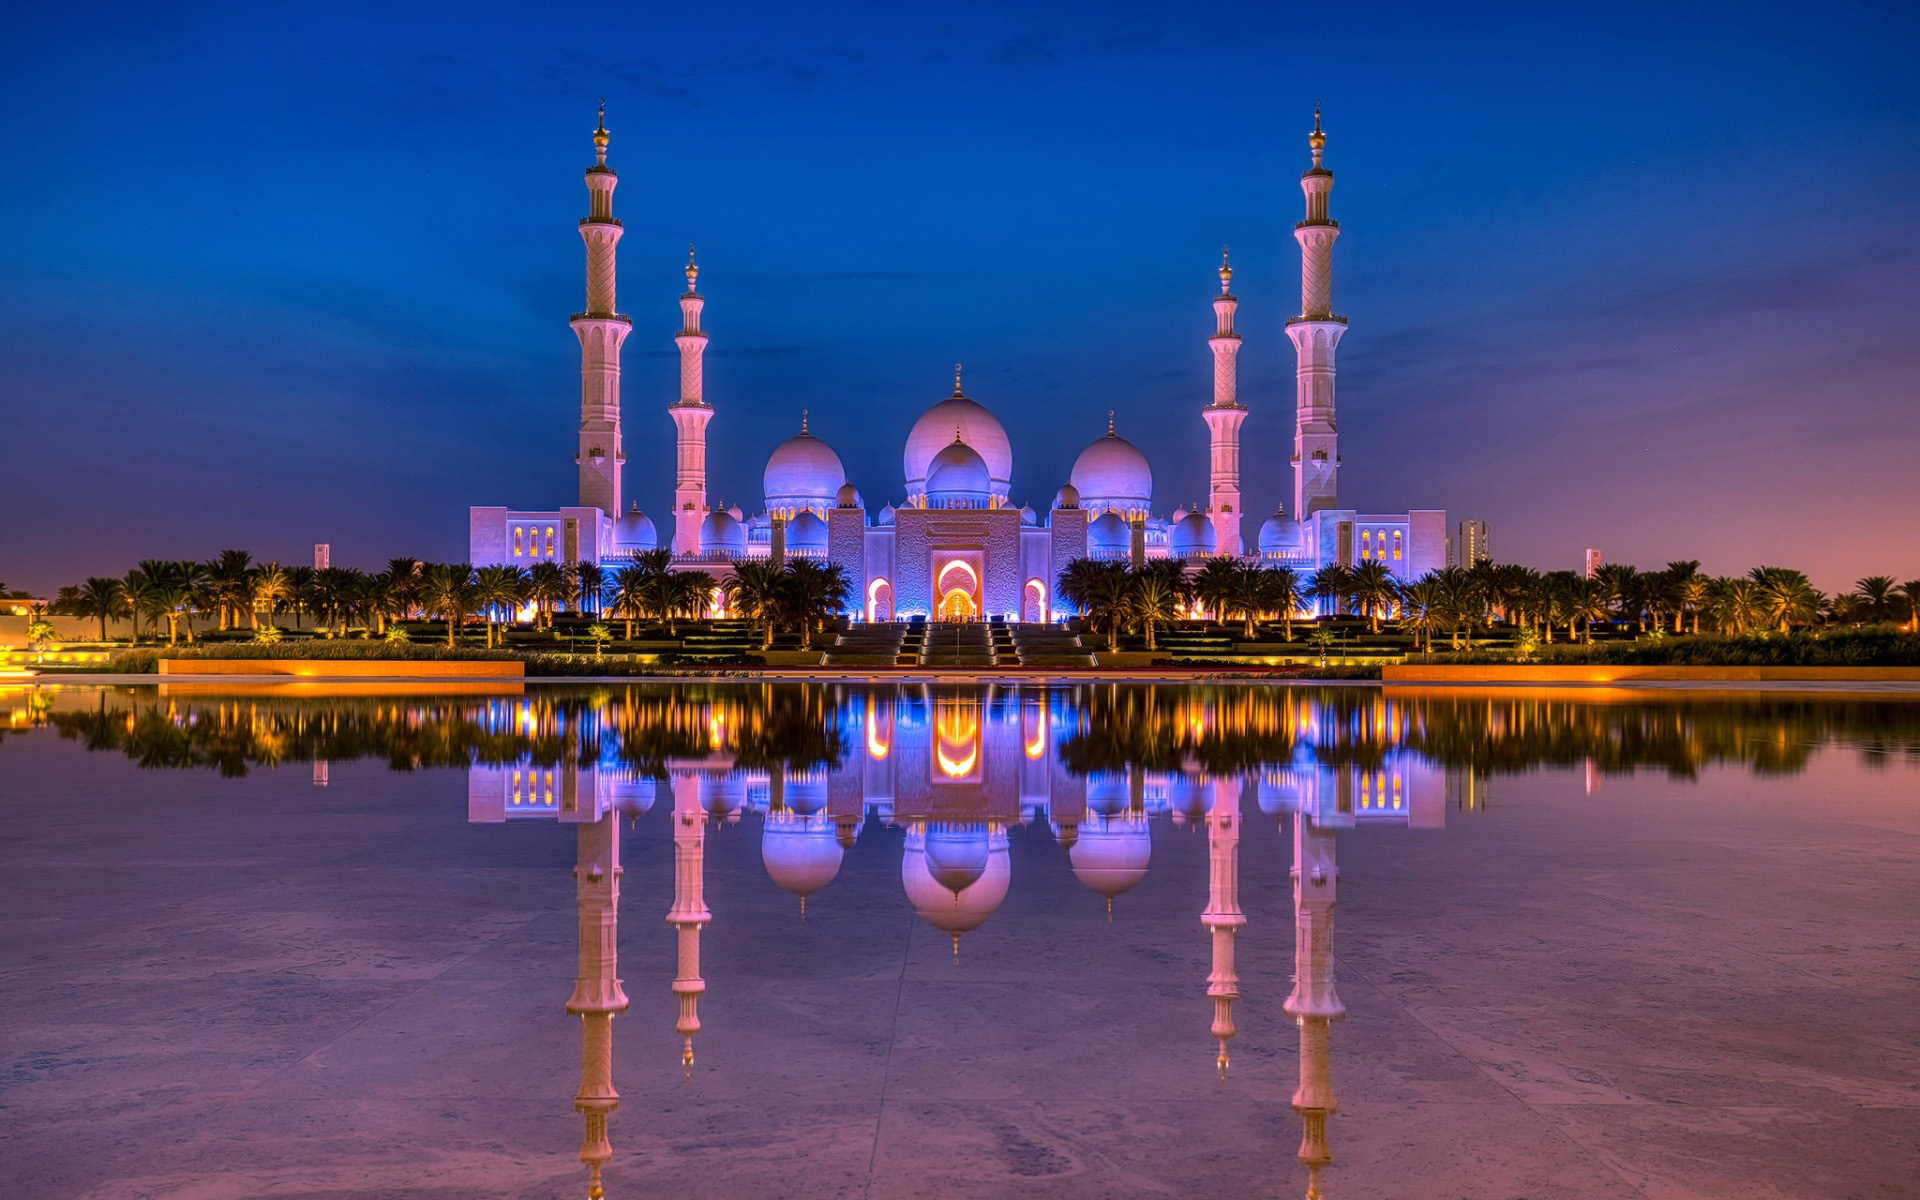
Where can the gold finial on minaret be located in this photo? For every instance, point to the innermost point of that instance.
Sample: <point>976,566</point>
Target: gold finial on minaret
<point>1226,272</point>
<point>693,270</point>
<point>686,1057</point>
<point>594,1190</point>
<point>600,135</point>
<point>1316,139</point>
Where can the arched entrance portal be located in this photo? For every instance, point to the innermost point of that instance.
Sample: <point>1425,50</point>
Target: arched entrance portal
<point>957,586</point>
<point>1033,601</point>
<point>880,601</point>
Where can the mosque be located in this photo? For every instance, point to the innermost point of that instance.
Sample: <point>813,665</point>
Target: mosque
<point>955,545</point>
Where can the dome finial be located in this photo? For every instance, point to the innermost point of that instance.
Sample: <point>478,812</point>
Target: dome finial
<point>600,135</point>
<point>693,271</point>
<point>956,379</point>
<point>1110,432</point>
<point>803,908</point>
<point>956,947</point>
<point>803,424</point>
<point>1226,272</point>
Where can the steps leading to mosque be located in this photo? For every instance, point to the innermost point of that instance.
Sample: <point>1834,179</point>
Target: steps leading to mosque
<point>871,645</point>
<point>957,644</point>
<point>1048,646</point>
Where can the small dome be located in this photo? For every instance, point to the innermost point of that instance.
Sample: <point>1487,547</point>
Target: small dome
<point>723,796</point>
<point>1109,532</point>
<point>885,517</point>
<point>958,475</point>
<point>634,533</point>
<point>630,796</point>
<point>1028,516</point>
<point>1177,515</point>
<point>722,533</point>
<point>1108,793</point>
<point>800,853</point>
<point>1192,536</point>
<point>957,857</point>
<point>803,472</point>
<point>977,427</point>
<point>1279,536</point>
<point>848,497</point>
<point>1112,473</point>
<point>1067,497</point>
<point>1112,853</point>
<point>807,534</point>
<point>1189,797</point>
<point>1278,793</point>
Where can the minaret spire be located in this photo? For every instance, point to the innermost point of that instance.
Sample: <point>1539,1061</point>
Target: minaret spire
<point>601,330</point>
<point>1315,333</point>
<point>1223,917</point>
<point>689,912</point>
<point>1224,418</point>
<point>690,416</point>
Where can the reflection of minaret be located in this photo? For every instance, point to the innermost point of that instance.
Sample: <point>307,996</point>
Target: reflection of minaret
<point>1313,1003</point>
<point>597,994</point>
<point>689,912</point>
<point>1224,418</point>
<point>690,416</point>
<point>1223,915</point>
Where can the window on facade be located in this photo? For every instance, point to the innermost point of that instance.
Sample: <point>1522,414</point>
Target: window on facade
<point>518,533</point>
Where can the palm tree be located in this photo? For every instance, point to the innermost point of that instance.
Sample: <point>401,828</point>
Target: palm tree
<point>589,579</point>
<point>812,592</point>
<point>272,587</point>
<point>499,588</point>
<point>1154,600</point>
<point>1877,592</point>
<point>548,587</point>
<point>229,580</point>
<point>1787,597</point>
<point>1461,602</point>
<point>405,577</point>
<point>1420,610</point>
<point>103,599</point>
<point>1214,584</point>
<point>1332,582</point>
<point>628,596</point>
<point>693,592</point>
<point>1735,605</point>
<point>300,591</point>
<point>1911,591</point>
<point>753,592</point>
<point>1373,588</point>
<point>448,591</point>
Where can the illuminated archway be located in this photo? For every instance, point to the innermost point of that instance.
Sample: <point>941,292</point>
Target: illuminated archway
<point>957,584</point>
<point>1033,601</point>
<point>958,605</point>
<point>880,601</point>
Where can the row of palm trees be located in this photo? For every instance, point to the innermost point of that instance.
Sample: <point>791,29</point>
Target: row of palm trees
<point>233,592</point>
<point>1457,601</point>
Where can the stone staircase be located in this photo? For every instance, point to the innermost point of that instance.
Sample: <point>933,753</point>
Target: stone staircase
<point>1048,646</point>
<point>872,645</point>
<point>957,644</point>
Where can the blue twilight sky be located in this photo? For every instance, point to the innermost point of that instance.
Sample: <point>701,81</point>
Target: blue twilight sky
<point>1645,277</point>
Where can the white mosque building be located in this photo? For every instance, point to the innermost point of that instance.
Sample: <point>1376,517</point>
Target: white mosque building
<point>955,546</point>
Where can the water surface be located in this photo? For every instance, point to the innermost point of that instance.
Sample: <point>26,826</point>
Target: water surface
<point>818,940</point>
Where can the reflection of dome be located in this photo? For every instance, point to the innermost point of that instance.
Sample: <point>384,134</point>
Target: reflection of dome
<point>1067,497</point>
<point>723,796</point>
<point>1109,532</point>
<point>1112,473</point>
<point>1193,537</point>
<point>956,857</point>
<point>1108,793</point>
<point>948,911</point>
<point>805,793</point>
<point>1279,536</point>
<point>722,533</point>
<point>1111,855</point>
<point>629,797</point>
<point>957,477</point>
<point>800,853</point>
<point>977,427</point>
<point>847,497</point>
<point>1190,797</point>
<point>1278,794</point>
<point>634,533</point>
<point>802,473</point>
<point>806,534</point>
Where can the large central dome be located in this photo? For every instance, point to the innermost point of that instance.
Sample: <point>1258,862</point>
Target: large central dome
<point>1112,474</point>
<point>803,472</point>
<point>977,427</point>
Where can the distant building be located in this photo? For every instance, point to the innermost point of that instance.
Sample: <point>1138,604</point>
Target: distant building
<point>1593,562</point>
<point>955,547</point>
<point>1471,547</point>
<point>322,555</point>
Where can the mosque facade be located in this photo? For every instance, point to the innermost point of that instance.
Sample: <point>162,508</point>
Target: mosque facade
<point>954,545</point>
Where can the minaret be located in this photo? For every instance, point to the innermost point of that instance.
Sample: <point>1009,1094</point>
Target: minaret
<point>601,330</point>
<point>1223,916</point>
<point>1224,417</point>
<point>689,912</point>
<point>597,994</point>
<point>1313,1002</point>
<point>1315,333</point>
<point>690,416</point>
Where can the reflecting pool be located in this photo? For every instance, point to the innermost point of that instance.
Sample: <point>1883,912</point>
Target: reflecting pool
<point>846,940</point>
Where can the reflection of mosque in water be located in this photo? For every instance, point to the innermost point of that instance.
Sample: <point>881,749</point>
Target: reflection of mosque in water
<point>955,772</point>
